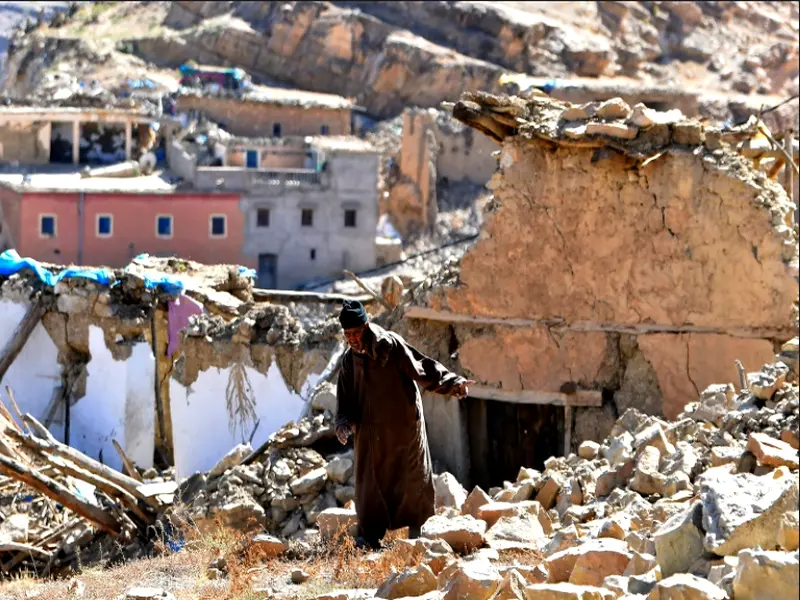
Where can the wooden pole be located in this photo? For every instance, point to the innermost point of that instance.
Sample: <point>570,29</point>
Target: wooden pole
<point>21,335</point>
<point>53,489</point>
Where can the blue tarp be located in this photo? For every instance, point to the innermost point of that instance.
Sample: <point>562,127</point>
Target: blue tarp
<point>11,262</point>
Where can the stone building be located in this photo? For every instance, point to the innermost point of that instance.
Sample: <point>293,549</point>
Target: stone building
<point>309,205</point>
<point>627,260</point>
<point>272,112</point>
<point>73,135</point>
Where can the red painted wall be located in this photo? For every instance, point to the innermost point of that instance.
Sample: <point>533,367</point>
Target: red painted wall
<point>134,222</point>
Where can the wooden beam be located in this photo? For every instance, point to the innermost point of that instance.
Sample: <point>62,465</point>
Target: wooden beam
<point>369,290</point>
<point>21,335</point>
<point>429,314</point>
<point>579,398</point>
<point>298,296</point>
<point>56,491</point>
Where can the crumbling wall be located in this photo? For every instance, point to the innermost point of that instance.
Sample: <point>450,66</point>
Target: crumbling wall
<point>26,142</point>
<point>637,256</point>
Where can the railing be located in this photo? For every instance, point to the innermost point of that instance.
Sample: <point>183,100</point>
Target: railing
<point>241,178</point>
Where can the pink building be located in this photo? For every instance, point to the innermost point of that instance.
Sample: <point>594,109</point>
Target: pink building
<point>65,219</point>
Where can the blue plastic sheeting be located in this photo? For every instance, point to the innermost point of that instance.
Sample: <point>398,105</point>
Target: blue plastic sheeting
<point>11,262</point>
<point>251,273</point>
<point>550,86</point>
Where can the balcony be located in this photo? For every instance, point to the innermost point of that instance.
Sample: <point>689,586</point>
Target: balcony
<point>244,180</point>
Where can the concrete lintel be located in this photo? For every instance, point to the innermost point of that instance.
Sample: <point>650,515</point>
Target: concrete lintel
<point>429,314</point>
<point>579,398</point>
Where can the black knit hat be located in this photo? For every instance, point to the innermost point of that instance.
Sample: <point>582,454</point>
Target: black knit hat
<point>353,314</point>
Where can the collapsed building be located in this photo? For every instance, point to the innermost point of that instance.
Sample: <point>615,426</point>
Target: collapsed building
<point>628,259</point>
<point>172,360</point>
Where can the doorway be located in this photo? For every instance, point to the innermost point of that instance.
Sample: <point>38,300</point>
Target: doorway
<point>252,159</point>
<point>267,271</point>
<point>505,436</point>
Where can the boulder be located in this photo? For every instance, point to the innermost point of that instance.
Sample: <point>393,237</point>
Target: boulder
<point>336,521</point>
<point>640,564</point>
<point>339,469</point>
<point>772,452</point>
<point>493,511</point>
<point>561,564</point>
<point>268,546</point>
<point>414,581</point>
<point>567,591</point>
<point>325,398</point>
<point>523,529</point>
<point>234,457</point>
<point>764,575</point>
<point>788,534</point>
<point>347,594</point>
<point>448,491</point>
<point>472,580</point>
<point>310,483</point>
<point>589,450</point>
<point>475,500</point>
<point>647,117</point>
<point>684,586</point>
<point>464,534</point>
<point>594,564</point>
<point>679,541</point>
<point>615,108</point>
<point>745,511</point>
<point>549,491</point>
<point>512,587</point>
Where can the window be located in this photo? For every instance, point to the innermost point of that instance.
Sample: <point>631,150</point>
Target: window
<point>313,254</point>
<point>276,130</point>
<point>164,226</point>
<point>323,130</point>
<point>307,217</point>
<point>350,217</point>
<point>105,226</point>
<point>217,226</point>
<point>262,217</point>
<point>47,226</point>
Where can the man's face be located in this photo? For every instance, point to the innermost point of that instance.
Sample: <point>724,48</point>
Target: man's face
<point>355,338</point>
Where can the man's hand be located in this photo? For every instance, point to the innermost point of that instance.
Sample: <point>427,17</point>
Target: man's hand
<point>343,434</point>
<point>461,390</point>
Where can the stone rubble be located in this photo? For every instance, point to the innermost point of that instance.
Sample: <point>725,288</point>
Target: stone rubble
<point>705,508</point>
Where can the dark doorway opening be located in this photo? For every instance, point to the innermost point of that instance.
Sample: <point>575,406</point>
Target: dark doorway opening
<point>504,436</point>
<point>267,271</point>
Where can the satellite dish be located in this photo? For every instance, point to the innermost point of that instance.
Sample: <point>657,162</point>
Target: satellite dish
<point>147,162</point>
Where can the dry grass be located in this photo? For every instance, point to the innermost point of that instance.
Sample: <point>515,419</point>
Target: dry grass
<point>250,573</point>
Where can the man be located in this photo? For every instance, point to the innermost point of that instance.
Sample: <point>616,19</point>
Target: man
<point>379,403</point>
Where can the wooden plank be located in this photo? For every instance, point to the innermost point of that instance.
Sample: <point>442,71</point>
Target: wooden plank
<point>54,490</point>
<point>579,398</point>
<point>368,289</point>
<point>126,462</point>
<point>299,296</point>
<point>21,335</point>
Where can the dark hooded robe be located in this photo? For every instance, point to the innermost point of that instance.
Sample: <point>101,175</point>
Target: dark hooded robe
<point>377,392</point>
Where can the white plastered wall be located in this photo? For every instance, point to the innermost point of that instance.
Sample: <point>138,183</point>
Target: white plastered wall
<point>201,425</point>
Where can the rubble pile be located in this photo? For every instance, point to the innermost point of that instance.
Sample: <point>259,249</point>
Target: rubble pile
<point>61,509</point>
<point>283,487</point>
<point>705,507</point>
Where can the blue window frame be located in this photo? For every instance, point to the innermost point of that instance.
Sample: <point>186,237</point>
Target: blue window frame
<point>164,226</point>
<point>105,226</point>
<point>47,226</point>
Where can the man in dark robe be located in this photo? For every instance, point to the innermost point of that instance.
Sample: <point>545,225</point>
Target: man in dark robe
<point>379,404</point>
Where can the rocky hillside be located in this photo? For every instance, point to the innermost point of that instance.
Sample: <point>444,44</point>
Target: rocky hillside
<point>391,55</point>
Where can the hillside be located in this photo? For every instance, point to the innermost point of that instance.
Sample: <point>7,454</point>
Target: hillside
<point>392,55</point>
